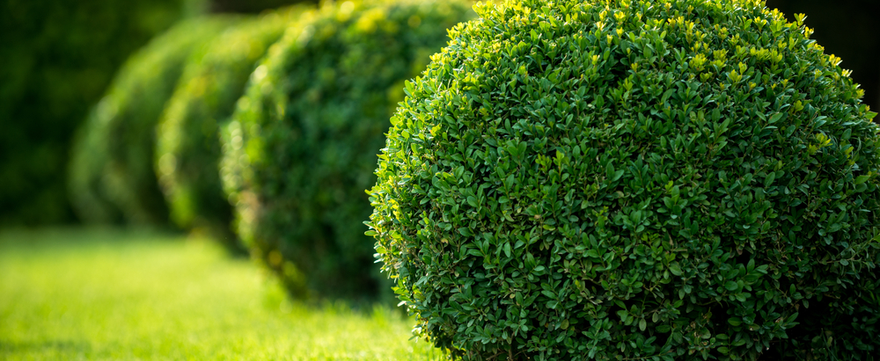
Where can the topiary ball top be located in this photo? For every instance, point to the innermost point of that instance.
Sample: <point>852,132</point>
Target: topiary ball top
<point>301,148</point>
<point>188,134</point>
<point>578,180</point>
<point>112,160</point>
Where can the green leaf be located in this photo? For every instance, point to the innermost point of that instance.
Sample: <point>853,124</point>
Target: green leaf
<point>472,201</point>
<point>769,180</point>
<point>731,286</point>
<point>675,269</point>
<point>539,269</point>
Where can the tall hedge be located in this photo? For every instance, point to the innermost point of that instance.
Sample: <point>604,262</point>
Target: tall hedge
<point>111,166</point>
<point>57,59</point>
<point>188,135</point>
<point>634,180</point>
<point>302,146</point>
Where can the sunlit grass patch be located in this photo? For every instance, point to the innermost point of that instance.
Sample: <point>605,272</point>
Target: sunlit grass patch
<point>70,294</point>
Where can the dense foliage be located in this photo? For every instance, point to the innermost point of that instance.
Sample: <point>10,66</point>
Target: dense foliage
<point>188,135</point>
<point>111,165</point>
<point>57,59</point>
<point>302,146</point>
<point>606,180</point>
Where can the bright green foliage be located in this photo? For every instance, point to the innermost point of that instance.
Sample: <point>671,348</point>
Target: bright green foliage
<point>112,161</point>
<point>188,136</point>
<point>301,148</point>
<point>608,180</point>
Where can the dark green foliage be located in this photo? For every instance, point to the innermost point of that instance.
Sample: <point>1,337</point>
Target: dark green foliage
<point>609,180</point>
<point>112,161</point>
<point>188,134</point>
<point>301,148</point>
<point>57,59</point>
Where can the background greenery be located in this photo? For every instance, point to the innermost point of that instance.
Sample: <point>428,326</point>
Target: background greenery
<point>112,160</point>
<point>187,140</point>
<point>56,60</point>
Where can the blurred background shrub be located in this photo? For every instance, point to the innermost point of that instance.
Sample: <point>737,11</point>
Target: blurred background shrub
<point>187,138</point>
<point>301,148</point>
<point>56,60</point>
<point>111,165</point>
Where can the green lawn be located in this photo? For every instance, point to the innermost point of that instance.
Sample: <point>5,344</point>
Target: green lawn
<point>69,294</point>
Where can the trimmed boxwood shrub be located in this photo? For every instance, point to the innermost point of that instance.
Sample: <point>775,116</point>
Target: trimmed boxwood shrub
<point>302,146</point>
<point>111,165</point>
<point>188,135</point>
<point>610,180</point>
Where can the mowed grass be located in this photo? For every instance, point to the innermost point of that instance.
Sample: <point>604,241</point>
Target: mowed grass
<point>69,294</point>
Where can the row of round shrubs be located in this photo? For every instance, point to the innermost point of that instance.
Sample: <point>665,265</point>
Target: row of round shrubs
<point>111,173</point>
<point>626,179</point>
<point>633,179</point>
<point>196,69</point>
<point>302,143</point>
<point>187,136</point>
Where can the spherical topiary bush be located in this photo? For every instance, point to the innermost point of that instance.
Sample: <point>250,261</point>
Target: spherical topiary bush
<point>302,145</point>
<point>112,158</point>
<point>610,180</point>
<point>188,136</point>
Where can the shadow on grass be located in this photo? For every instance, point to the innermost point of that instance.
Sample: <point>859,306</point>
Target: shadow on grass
<point>64,346</point>
<point>76,235</point>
